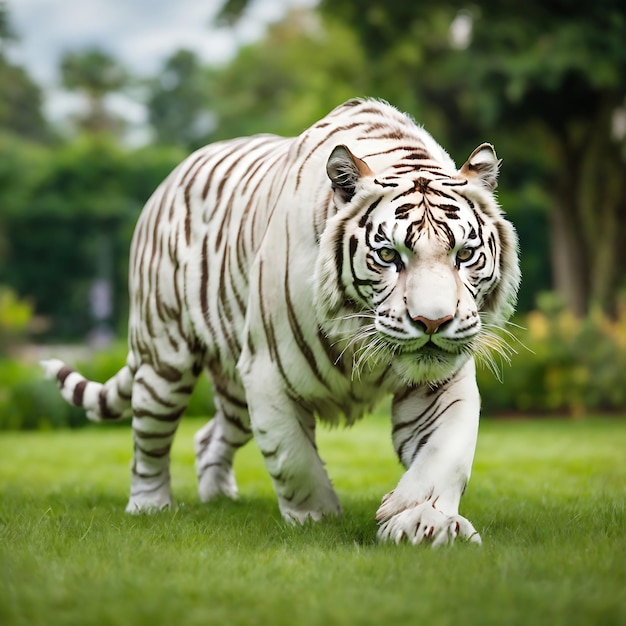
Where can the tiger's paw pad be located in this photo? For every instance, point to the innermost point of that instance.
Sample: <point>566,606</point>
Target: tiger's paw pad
<point>425,524</point>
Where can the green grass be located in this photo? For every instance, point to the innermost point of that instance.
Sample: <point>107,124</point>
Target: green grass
<point>547,496</point>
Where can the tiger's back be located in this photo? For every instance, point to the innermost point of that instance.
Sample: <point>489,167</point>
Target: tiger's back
<point>310,282</point>
<point>193,246</point>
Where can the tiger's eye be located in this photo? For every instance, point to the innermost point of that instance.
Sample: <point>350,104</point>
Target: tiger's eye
<point>387,255</point>
<point>464,254</point>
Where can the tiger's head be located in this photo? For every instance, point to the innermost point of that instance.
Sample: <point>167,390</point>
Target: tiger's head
<point>418,265</point>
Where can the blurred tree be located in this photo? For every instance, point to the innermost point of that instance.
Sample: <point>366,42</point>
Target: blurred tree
<point>295,74</point>
<point>543,80</point>
<point>179,100</point>
<point>57,205</point>
<point>307,65</point>
<point>15,318</point>
<point>231,11</point>
<point>96,74</point>
<point>7,34</point>
<point>546,76</point>
<point>20,98</point>
<point>20,104</point>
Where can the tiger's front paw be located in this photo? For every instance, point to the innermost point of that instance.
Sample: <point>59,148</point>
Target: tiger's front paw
<point>149,494</point>
<point>424,523</point>
<point>141,504</point>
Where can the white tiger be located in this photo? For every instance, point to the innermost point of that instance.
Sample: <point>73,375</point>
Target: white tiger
<point>312,276</point>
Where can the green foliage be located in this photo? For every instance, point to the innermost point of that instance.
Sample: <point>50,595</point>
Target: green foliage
<point>96,74</point>
<point>547,497</point>
<point>266,89</point>
<point>545,85</point>
<point>15,317</point>
<point>563,364</point>
<point>28,402</point>
<point>20,104</point>
<point>179,102</point>
<point>65,211</point>
<point>21,98</point>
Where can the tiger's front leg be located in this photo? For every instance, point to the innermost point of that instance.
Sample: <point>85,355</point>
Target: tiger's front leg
<point>285,434</point>
<point>434,435</point>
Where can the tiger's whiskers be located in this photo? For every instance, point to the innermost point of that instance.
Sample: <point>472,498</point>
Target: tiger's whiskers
<point>367,346</point>
<point>369,354</point>
<point>495,341</point>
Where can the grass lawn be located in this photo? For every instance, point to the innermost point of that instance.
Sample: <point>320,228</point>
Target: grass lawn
<point>547,496</point>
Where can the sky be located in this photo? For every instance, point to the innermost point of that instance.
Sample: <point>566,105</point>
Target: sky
<point>139,33</point>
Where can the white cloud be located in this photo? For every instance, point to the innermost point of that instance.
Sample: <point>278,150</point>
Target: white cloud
<point>141,33</point>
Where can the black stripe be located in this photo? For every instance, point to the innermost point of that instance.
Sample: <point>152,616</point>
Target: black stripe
<point>79,391</point>
<point>272,344</point>
<point>153,393</point>
<point>204,286</point>
<point>157,453</point>
<point>187,193</point>
<point>411,422</point>
<point>320,143</point>
<point>63,373</point>
<point>368,212</point>
<point>167,417</point>
<point>422,427</point>
<point>212,166</point>
<point>230,398</point>
<point>143,434</point>
<point>296,329</point>
<point>237,423</point>
<point>357,282</point>
<point>103,405</point>
<point>138,492</point>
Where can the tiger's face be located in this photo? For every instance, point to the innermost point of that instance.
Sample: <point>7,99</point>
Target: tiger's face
<point>424,264</point>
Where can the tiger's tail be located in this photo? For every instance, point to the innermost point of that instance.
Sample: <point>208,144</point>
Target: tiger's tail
<point>102,401</point>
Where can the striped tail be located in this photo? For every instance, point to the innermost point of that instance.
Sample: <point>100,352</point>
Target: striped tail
<point>102,401</point>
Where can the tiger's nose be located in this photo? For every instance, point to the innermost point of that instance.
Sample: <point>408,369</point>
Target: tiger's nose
<point>430,327</point>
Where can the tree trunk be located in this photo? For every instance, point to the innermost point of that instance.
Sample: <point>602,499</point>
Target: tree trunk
<point>588,220</point>
<point>568,268</point>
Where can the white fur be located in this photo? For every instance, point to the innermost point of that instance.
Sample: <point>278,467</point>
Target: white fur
<point>258,259</point>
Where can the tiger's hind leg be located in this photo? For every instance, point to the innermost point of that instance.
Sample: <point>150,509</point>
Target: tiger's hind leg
<point>160,396</point>
<point>218,441</point>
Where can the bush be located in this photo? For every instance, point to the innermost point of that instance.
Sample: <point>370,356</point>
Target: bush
<point>563,364</point>
<point>29,402</point>
<point>15,317</point>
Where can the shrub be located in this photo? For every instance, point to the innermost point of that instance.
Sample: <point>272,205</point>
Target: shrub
<point>563,364</point>
<point>29,402</point>
<point>15,317</point>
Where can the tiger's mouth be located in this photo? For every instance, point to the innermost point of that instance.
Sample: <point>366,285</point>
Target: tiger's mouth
<point>432,349</point>
<point>427,363</point>
<point>429,350</point>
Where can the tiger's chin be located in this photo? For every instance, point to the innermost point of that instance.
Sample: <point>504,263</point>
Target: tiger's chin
<point>427,365</point>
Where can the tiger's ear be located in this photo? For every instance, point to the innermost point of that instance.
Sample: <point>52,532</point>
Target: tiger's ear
<point>345,170</point>
<point>483,165</point>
